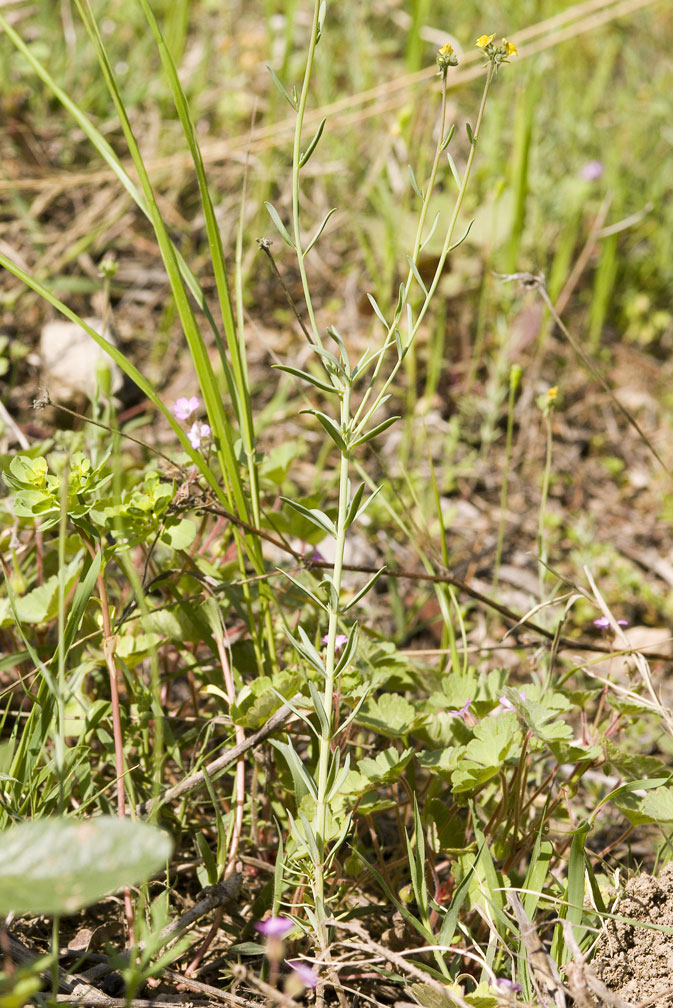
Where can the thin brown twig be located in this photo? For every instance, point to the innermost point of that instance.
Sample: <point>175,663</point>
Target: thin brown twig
<point>284,715</point>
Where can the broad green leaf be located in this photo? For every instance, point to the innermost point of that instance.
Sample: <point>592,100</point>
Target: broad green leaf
<point>41,604</point>
<point>385,767</point>
<point>389,715</point>
<point>180,534</point>
<point>658,805</point>
<point>58,866</point>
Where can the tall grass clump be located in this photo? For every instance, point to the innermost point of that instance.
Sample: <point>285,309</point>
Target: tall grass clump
<point>192,639</point>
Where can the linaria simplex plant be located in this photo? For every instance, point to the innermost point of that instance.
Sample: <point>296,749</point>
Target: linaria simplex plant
<point>350,425</point>
<point>357,392</point>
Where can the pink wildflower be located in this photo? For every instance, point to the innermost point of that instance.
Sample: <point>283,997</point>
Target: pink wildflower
<point>591,171</point>
<point>184,407</point>
<point>274,927</point>
<point>339,640</point>
<point>307,976</point>
<point>506,704</point>
<point>463,713</point>
<point>198,432</point>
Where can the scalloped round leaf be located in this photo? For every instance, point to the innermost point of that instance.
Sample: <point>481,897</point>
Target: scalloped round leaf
<point>58,866</point>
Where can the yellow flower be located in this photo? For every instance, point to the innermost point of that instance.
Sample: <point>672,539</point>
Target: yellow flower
<point>552,393</point>
<point>446,58</point>
<point>484,40</point>
<point>510,47</point>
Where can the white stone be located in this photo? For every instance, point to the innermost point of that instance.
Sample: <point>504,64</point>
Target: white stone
<point>70,359</point>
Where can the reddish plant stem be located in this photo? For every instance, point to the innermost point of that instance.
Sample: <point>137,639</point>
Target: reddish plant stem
<point>239,804</point>
<point>109,645</point>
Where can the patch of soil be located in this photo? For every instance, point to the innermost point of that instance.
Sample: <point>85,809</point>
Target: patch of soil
<point>634,960</point>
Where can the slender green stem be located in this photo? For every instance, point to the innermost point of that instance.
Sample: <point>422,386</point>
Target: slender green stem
<point>361,421</point>
<point>324,753</point>
<point>514,379</point>
<point>296,157</point>
<point>541,541</point>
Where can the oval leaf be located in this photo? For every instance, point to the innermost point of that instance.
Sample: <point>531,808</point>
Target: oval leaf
<point>58,866</point>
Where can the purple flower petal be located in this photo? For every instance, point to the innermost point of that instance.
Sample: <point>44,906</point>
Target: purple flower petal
<point>507,985</point>
<point>463,712</point>
<point>184,407</point>
<point>602,622</point>
<point>591,171</point>
<point>274,927</point>
<point>506,704</point>
<point>307,976</point>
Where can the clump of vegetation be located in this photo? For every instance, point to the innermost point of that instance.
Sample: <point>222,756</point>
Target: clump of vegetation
<point>306,645</point>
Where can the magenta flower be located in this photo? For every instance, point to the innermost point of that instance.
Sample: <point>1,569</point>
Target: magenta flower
<point>591,171</point>
<point>274,927</point>
<point>463,713</point>
<point>197,433</point>
<point>506,704</point>
<point>307,976</point>
<point>602,622</point>
<point>339,640</point>
<point>184,407</point>
<point>506,985</point>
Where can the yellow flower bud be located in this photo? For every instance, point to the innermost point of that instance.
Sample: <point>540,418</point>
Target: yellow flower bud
<point>510,47</point>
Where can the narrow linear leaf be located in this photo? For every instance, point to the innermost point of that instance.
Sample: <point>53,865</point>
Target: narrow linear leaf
<point>301,778</point>
<point>80,600</point>
<point>307,652</point>
<point>302,588</point>
<point>401,298</point>
<point>377,311</point>
<point>321,228</point>
<point>417,276</point>
<point>319,708</point>
<point>432,230</point>
<point>461,240</point>
<point>281,87</point>
<point>305,376</point>
<point>282,230</point>
<point>363,591</point>
<point>354,505</point>
<point>448,138</point>
<point>313,144</point>
<point>330,429</point>
<point>316,517</point>
<point>349,649</point>
<point>454,170</point>
<point>328,358</point>
<point>295,710</point>
<point>414,184</point>
<point>367,503</point>
<point>470,134</point>
<point>356,710</point>
<point>331,594</point>
<point>375,431</point>
<point>341,777</point>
